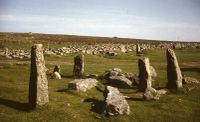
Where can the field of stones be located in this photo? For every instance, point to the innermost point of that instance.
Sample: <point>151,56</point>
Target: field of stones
<point>90,79</point>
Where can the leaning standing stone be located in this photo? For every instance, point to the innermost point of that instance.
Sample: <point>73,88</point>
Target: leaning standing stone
<point>78,65</point>
<point>144,74</point>
<point>38,85</point>
<point>174,75</point>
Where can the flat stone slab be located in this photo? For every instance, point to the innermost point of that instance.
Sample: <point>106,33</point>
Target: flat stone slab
<point>82,84</point>
<point>115,102</point>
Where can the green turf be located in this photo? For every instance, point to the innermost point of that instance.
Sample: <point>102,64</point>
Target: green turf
<point>65,105</point>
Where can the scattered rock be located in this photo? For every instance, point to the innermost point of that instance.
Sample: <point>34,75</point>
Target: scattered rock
<point>56,75</point>
<point>153,94</point>
<point>120,80</point>
<point>115,102</point>
<point>190,80</point>
<point>82,84</point>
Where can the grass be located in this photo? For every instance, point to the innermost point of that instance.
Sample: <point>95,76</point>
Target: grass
<point>65,105</point>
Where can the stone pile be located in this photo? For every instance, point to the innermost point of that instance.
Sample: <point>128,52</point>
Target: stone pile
<point>98,49</point>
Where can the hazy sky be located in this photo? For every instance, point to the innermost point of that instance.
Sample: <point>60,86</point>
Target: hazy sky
<point>149,19</point>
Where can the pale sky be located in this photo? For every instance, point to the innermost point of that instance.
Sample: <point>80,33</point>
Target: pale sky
<point>145,19</point>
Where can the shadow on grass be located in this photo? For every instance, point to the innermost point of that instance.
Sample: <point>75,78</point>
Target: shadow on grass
<point>16,105</point>
<point>192,69</point>
<point>98,89</point>
<point>68,76</point>
<point>135,99</point>
<point>117,85</point>
<point>62,90</point>
<point>97,106</point>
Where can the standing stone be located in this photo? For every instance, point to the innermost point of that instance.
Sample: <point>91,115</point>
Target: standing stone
<point>83,64</point>
<point>144,74</point>
<point>174,75</point>
<point>138,50</point>
<point>57,69</point>
<point>38,85</point>
<point>6,52</point>
<point>78,65</point>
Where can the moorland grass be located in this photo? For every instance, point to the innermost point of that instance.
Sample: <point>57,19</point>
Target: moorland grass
<point>67,105</point>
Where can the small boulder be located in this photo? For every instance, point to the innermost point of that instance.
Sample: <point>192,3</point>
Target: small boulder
<point>153,94</point>
<point>56,75</point>
<point>115,102</point>
<point>190,80</point>
<point>82,84</point>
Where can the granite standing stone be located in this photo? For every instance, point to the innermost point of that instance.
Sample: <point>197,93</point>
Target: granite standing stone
<point>174,75</point>
<point>144,74</point>
<point>78,66</point>
<point>138,50</point>
<point>38,85</point>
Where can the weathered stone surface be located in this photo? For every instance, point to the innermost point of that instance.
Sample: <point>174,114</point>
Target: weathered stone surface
<point>138,50</point>
<point>82,84</point>
<point>144,74</point>
<point>38,85</point>
<point>174,75</point>
<point>111,72</point>
<point>153,94</point>
<point>120,80</point>
<point>116,77</point>
<point>153,71</point>
<point>78,65</point>
<point>150,93</point>
<point>115,102</point>
<point>133,78</point>
<point>190,80</point>
<point>56,75</point>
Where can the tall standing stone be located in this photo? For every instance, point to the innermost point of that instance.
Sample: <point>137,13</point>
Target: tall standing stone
<point>174,75</point>
<point>138,50</point>
<point>144,74</point>
<point>38,85</point>
<point>6,52</point>
<point>78,65</point>
<point>83,64</point>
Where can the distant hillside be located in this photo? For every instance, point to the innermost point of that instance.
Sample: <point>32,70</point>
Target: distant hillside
<point>37,37</point>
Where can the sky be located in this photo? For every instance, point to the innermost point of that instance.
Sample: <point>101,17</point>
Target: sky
<point>177,20</point>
